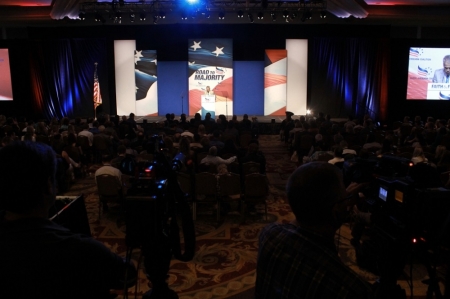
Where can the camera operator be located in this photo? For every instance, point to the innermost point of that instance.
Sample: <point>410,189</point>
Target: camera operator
<point>38,258</point>
<point>300,260</point>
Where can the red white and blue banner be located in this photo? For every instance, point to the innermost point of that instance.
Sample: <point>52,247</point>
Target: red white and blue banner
<point>145,72</point>
<point>275,74</point>
<point>210,63</point>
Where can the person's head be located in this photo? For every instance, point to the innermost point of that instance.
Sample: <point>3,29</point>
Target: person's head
<point>418,152</point>
<point>131,115</point>
<point>207,89</point>
<point>440,151</point>
<point>27,179</point>
<point>205,142</point>
<point>201,130</point>
<point>313,190</point>
<point>71,139</point>
<point>106,159</point>
<point>253,148</point>
<point>338,152</point>
<point>121,150</point>
<point>212,151</point>
<point>184,145</point>
<point>446,64</point>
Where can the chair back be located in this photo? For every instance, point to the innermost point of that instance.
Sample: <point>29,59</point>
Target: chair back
<point>250,167</point>
<point>256,185</point>
<point>230,184</point>
<point>206,184</point>
<point>107,185</point>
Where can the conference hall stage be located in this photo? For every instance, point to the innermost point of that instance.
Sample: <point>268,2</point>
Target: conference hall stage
<point>261,119</point>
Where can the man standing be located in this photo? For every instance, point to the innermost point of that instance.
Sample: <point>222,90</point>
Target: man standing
<point>443,75</point>
<point>39,258</point>
<point>300,260</point>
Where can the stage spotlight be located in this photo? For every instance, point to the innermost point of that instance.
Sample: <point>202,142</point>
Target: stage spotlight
<point>250,17</point>
<point>97,17</point>
<point>142,16</point>
<point>118,17</point>
<point>240,14</point>
<point>162,15</point>
<point>183,15</point>
<point>308,15</point>
<point>285,14</point>
<point>308,112</point>
<point>192,1</point>
<point>273,15</point>
<point>260,15</point>
<point>221,15</point>
<point>132,17</point>
<point>82,15</point>
<point>323,14</point>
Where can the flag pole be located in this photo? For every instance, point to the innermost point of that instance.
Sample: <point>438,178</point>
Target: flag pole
<point>97,96</point>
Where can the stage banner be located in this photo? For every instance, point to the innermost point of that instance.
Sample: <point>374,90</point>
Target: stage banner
<point>210,64</point>
<point>275,92</point>
<point>145,72</point>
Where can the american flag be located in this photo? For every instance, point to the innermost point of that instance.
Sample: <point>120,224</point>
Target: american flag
<point>97,94</point>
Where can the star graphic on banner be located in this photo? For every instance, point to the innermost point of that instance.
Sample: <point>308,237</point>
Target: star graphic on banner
<point>196,46</point>
<point>191,63</point>
<point>155,61</point>
<point>137,56</point>
<point>218,51</point>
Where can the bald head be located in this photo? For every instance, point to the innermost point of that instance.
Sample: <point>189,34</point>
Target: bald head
<point>312,191</point>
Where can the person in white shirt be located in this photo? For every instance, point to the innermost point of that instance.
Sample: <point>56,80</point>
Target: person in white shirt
<point>208,91</point>
<point>88,134</point>
<point>108,169</point>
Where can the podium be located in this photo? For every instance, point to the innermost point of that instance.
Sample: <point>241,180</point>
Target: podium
<point>438,91</point>
<point>209,105</point>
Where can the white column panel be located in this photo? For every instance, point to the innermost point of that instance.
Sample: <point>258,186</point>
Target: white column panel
<point>297,75</point>
<point>125,82</point>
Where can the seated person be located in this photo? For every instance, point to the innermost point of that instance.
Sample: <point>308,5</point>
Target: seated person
<point>418,156</point>
<point>108,169</point>
<point>39,258</point>
<point>254,155</point>
<point>213,159</point>
<point>338,156</point>
<point>299,259</point>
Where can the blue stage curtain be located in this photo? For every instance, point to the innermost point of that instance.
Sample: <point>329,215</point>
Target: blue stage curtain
<point>348,77</point>
<point>62,76</point>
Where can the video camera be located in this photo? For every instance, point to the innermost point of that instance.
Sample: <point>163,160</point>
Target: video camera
<point>153,202</point>
<point>409,214</point>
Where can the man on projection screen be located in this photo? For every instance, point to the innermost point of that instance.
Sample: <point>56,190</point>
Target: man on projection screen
<point>443,75</point>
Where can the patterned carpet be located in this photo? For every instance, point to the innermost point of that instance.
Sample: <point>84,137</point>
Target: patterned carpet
<point>225,260</point>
